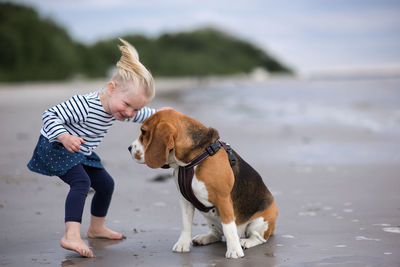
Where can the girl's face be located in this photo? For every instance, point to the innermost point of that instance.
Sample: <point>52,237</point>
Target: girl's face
<point>124,103</point>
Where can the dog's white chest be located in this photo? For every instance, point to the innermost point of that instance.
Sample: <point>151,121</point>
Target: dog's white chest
<point>198,187</point>
<point>200,191</point>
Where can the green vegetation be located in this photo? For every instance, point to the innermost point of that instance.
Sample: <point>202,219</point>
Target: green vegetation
<point>33,48</point>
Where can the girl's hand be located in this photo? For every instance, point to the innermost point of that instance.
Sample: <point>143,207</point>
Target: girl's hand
<point>70,142</point>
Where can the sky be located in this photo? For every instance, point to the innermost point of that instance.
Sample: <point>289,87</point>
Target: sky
<point>307,35</point>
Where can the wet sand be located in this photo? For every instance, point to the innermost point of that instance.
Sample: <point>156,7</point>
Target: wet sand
<point>337,207</point>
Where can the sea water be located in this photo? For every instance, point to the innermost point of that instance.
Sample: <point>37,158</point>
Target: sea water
<point>333,121</point>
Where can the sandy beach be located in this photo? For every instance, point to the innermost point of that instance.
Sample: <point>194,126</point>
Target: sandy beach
<point>328,150</point>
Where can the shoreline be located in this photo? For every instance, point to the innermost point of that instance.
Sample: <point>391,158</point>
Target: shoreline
<point>164,85</point>
<point>161,82</point>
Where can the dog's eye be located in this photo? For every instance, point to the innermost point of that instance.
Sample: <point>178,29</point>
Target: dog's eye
<point>143,132</point>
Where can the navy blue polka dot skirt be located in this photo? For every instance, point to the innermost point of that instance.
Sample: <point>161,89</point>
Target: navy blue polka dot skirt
<point>52,158</point>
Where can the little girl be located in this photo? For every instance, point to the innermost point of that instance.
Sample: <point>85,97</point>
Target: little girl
<point>74,128</point>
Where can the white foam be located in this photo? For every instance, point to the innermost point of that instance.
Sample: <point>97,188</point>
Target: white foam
<point>395,230</point>
<point>382,224</point>
<point>308,213</point>
<point>363,238</point>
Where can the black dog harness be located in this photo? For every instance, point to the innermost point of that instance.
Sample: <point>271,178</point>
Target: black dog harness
<point>185,174</point>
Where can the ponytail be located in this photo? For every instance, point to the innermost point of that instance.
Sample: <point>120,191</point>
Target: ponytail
<point>131,69</point>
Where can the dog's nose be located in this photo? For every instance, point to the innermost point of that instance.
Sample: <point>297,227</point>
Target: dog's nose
<point>130,148</point>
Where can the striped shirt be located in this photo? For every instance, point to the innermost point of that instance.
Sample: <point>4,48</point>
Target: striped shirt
<point>83,116</point>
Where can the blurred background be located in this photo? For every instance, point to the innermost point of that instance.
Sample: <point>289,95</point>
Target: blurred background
<point>290,65</point>
<point>51,40</point>
<point>308,92</point>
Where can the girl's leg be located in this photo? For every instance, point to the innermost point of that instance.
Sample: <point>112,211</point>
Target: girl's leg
<point>103,184</point>
<point>79,183</point>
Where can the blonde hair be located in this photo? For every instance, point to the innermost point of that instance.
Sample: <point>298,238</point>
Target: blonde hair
<point>129,68</point>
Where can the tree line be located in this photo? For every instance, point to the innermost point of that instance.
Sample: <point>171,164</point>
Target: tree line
<point>36,48</point>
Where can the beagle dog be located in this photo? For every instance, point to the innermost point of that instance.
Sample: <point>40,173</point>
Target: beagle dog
<point>239,205</point>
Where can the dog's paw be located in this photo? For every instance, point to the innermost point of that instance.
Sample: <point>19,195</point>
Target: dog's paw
<point>234,253</point>
<point>201,240</point>
<point>252,241</point>
<point>245,243</point>
<point>248,243</point>
<point>182,246</point>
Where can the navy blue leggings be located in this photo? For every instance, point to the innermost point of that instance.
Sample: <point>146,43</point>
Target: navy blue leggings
<point>80,178</point>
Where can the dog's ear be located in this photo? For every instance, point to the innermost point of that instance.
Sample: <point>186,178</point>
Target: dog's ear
<point>160,144</point>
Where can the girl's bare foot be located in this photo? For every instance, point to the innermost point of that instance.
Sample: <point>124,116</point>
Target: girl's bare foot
<point>77,245</point>
<point>98,230</point>
<point>72,240</point>
<point>104,232</point>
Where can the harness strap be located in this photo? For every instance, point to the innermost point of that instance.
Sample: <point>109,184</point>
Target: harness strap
<point>185,174</point>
